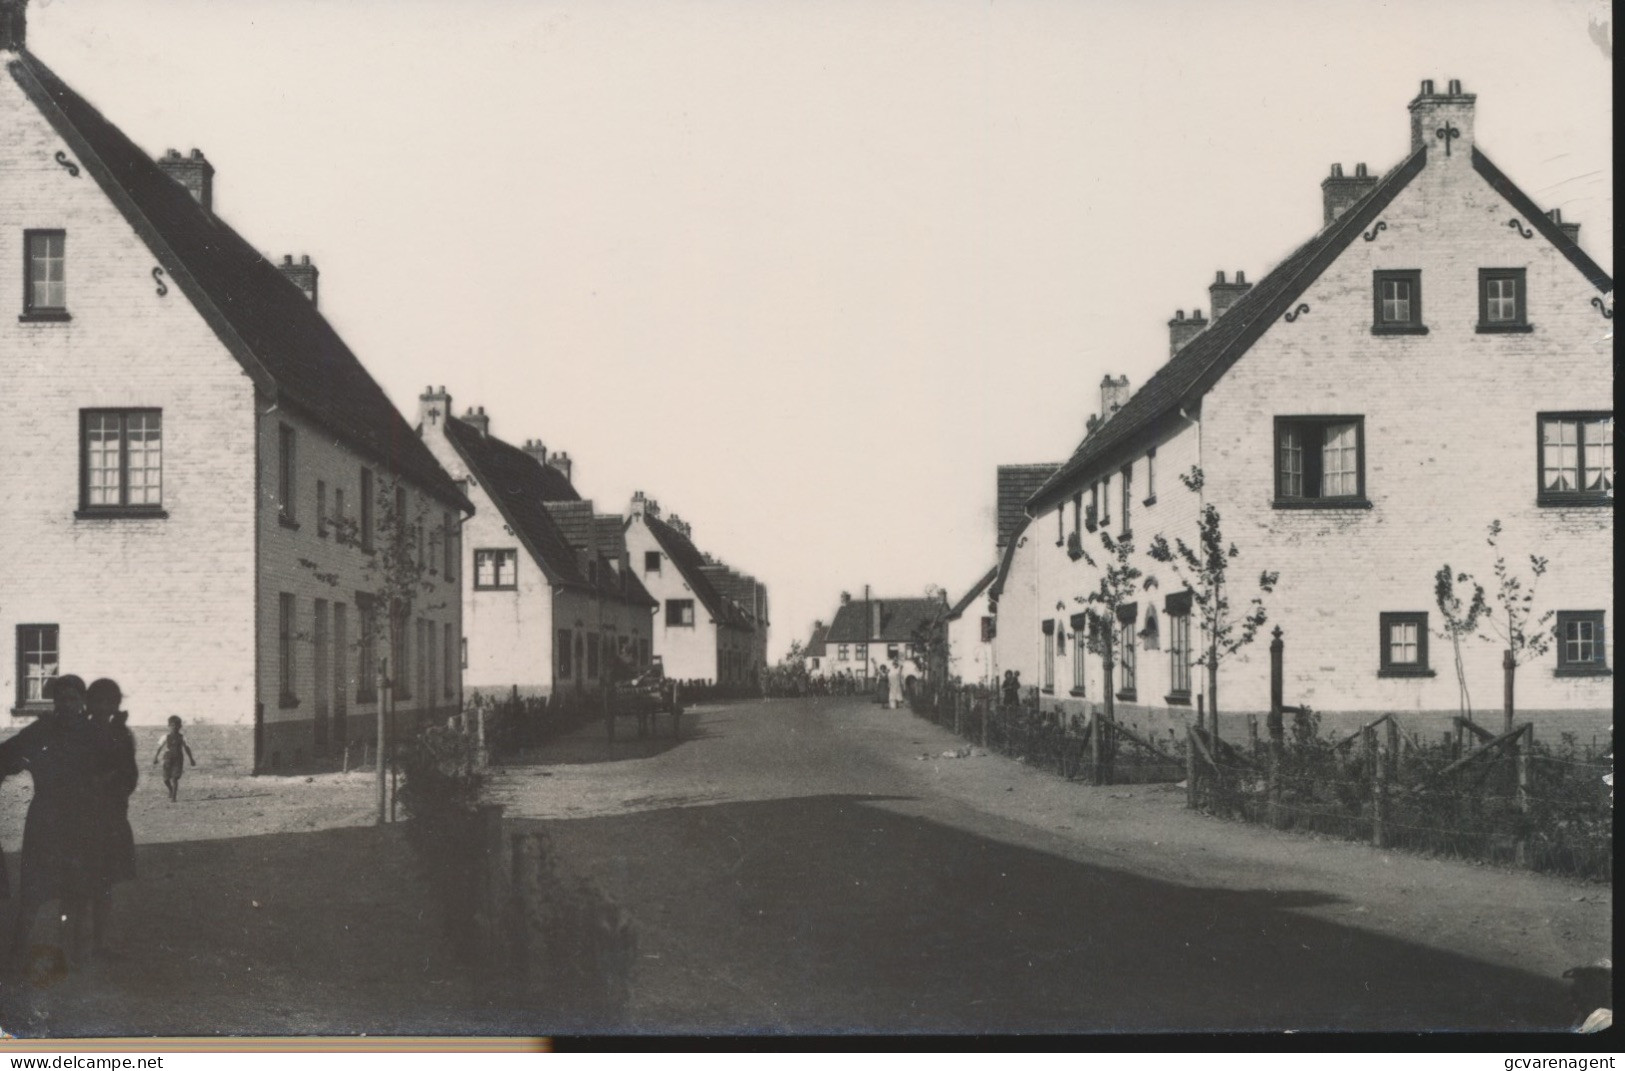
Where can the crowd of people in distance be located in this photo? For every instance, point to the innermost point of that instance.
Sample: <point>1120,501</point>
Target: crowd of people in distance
<point>77,841</point>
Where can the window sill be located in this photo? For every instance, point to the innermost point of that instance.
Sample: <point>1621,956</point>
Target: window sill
<point>1322,503</point>
<point>1505,329</point>
<point>45,316</point>
<point>287,522</point>
<point>115,513</point>
<point>1047,691</point>
<point>31,710</point>
<point>1177,699</point>
<point>1129,695</point>
<point>1406,671</point>
<point>1076,693</point>
<point>1152,501</point>
<point>1582,671</point>
<point>496,587</point>
<point>1399,329</point>
<point>1582,499</point>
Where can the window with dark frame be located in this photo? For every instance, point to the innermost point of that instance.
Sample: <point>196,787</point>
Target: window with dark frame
<point>341,669</point>
<point>1106,502</point>
<point>1581,647</point>
<point>366,508</point>
<point>1077,514</point>
<point>45,288</point>
<point>121,462</point>
<point>566,646</point>
<point>285,656</point>
<point>320,689</point>
<point>1179,649</point>
<point>496,570</point>
<point>1080,664</point>
<point>1502,305</point>
<point>341,532</point>
<point>1128,498</point>
<point>1320,461</point>
<point>287,477</point>
<point>39,658</point>
<point>1151,476</point>
<point>1093,518</point>
<point>366,684</point>
<point>400,637</point>
<point>1049,656</point>
<point>592,655</point>
<point>449,663</point>
<point>321,508</point>
<point>1126,662</point>
<point>1404,640</point>
<point>1397,298</point>
<point>1576,459</point>
<point>651,561</point>
<point>680,613</point>
<point>448,545</point>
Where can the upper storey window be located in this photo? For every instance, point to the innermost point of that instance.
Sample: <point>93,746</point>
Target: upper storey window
<point>1320,462</point>
<point>1576,459</point>
<point>1501,300</point>
<point>45,291</point>
<point>1397,303</point>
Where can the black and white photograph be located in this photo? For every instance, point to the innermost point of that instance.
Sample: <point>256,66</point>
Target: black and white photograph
<point>736,519</point>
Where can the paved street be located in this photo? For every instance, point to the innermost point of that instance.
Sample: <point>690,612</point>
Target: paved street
<point>819,865</point>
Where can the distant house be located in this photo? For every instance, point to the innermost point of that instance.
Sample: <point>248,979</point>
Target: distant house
<point>198,469</point>
<point>816,650</point>
<point>750,596</point>
<point>1013,594</point>
<point>970,634</point>
<point>699,633</point>
<point>547,601</point>
<point>1438,356</point>
<point>867,634</point>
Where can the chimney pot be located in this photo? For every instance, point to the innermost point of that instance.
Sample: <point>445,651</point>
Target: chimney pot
<point>1455,87</point>
<point>13,25</point>
<point>303,275</point>
<point>476,418</point>
<point>1337,171</point>
<point>1340,191</point>
<point>1443,122</point>
<point>194,172</point>
<point>1225,294</point>
<point>1182,330</point>
<point>1360,172</point>
<point>1427,87</point>
<point>287,258</point>
<point>304,258</point>
<point>1240,278</point>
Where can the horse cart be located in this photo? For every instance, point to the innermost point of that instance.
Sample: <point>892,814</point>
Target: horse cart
<point>644,696</point>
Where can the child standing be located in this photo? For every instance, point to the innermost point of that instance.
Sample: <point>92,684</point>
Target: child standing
<point>170,749</point>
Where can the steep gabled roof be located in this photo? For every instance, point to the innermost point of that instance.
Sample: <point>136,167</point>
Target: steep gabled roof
<point>691,563</point>
<point>1200,362</point>
<point>900,620</point>
<point>749,595</point>
<point>611,532</point>
<point>576,524</point>
<point>1018,483</point>
<point>515,483</point>
<point>815,645</point>
<point>1549,230</point>
<point>1007,556</point>
<point>980,586</point>
<point>274,331</point>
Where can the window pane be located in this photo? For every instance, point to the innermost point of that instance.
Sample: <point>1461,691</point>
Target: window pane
<point>1340,464</point>
<point>1396,301</point>
<point>484,570</point>
<point>102,445</point>
<point>1560,456</point>
<point>47,289</point>
<point>1402,644</point>
<point>144,435</point>
<point>1599,455</point>
<point>1501,303</point>
<point>38,654</point>
<point>1292,463</point>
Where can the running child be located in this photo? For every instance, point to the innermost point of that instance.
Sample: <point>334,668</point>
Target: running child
<point>170,749</point>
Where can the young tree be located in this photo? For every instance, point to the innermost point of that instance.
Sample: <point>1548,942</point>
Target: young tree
<point>399,581</point>
<point>1204,571</point>
<point>1461,618</point>
<point>1525,636</point>
<point>1120,583</point>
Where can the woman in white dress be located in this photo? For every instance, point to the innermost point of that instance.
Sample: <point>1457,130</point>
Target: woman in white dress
<point>894,686</point>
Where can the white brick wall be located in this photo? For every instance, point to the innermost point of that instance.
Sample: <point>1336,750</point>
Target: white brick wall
<point>687,653</point>
<point>163,606</point>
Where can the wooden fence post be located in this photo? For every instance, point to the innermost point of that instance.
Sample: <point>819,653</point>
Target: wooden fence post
<point>959,703</point>
<point>986,703</point>
<point>1392,730</point>
<point>1509,667</point>
<point>1252,735</point>
<point>1200,703</point>
<point>1521,759</point>
<point>1378,749</point>
<point>1095,731</point>
<point>1190,767</point>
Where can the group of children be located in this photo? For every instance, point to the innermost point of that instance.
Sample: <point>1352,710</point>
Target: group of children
<point>77,841</point>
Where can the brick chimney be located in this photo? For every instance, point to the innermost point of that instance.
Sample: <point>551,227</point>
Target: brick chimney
<point>434,406</point>
<point>874,619</point>
<point>1113,395</point>
<point>1181,330</point>
<point>476,418</point>
<point>13,25</point>
<point>639,506</point>
<point>303,274</point>
<point>561,461</point>
<point>1443,122</point>
<point>537,450</point>
<point>1223,295</point>
<point>1340,192</point>
<point>1571,230</point>
<point>680,526</point>
<point>194,172</point>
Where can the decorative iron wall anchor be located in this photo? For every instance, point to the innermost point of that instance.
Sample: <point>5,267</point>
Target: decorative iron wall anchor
<point>1449,133</point>
<point>1602,307</point>
<point>1371,235</point>
<point>1302,308</point>
<point>62,158</point>
<point>158,277</point>
<point>1516,224</point>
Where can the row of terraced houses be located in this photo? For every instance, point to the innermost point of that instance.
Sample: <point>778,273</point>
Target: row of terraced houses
<point>1437,357</point>
<point>204,484</point>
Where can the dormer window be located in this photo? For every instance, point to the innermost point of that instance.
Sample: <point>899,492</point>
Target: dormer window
<point>45,292</point>
<point>1501,304</point>
<point>1398,303</point>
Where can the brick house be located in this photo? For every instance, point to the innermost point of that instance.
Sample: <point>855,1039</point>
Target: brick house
<point>699,633</point>
<point>867,634</point>
<point>199,469</point>
<point>1437,357</point>
<point>548,598</point>
<point>749,596</point>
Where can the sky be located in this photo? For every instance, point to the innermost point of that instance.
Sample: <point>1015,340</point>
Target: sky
<point>807,272</point>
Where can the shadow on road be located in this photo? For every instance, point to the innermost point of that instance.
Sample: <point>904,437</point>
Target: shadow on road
<point>591,745</point>
<point>837,913</point>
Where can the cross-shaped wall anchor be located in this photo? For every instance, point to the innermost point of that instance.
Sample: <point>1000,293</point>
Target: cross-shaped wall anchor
<point>1449,133</point>
<point>433,414</point>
